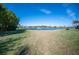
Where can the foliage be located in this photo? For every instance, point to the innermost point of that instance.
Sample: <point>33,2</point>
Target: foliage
<point>12,32</point>
<point>66,28</point>
<point>8,19</point>
<point>76,24</point>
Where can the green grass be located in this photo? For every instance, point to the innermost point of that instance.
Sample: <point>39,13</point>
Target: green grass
<point>71,38</point>
<point>12,43</point>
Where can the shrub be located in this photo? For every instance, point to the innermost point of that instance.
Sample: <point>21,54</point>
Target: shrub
<point>12,32</point>
<point>66,28</point>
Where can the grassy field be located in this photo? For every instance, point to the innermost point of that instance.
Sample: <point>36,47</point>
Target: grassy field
<point>70,38</point>
<point>44,42</point>
<point>12,44</point>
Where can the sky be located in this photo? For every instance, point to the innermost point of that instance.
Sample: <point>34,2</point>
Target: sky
<point>48,14</point>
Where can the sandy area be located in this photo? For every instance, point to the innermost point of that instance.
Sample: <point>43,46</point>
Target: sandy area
<point>47,42</point>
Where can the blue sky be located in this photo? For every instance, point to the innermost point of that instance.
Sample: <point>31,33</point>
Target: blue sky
<point>50,14</point>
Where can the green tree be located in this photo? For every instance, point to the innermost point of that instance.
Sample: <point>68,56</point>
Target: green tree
<point>8,19</point>
<point>76,24</point>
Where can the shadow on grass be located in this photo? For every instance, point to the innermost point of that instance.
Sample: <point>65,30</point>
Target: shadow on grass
<point>24,50</point>
<point>8,45</point>
<point>11,32</point>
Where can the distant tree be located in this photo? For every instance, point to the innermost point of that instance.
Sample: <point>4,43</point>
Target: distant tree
<point>76,24</point>
<point>8,19</point>
<point>54,26</point>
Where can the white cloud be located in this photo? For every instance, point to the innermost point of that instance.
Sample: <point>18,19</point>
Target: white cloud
<point>71,13</point>
<point>45,11</point>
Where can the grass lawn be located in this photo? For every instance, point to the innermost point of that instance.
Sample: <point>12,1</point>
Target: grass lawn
<point>11,44</point>
<point>71,38</point>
